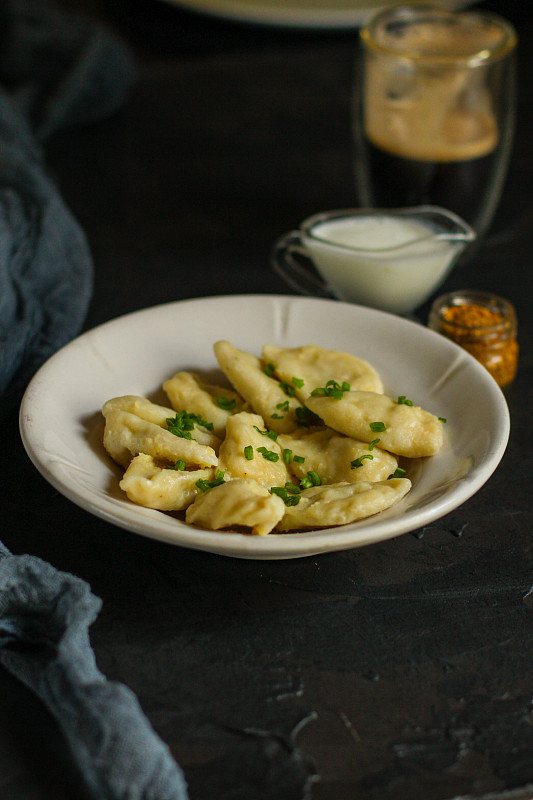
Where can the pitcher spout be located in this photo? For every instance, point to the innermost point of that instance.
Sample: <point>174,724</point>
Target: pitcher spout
<point>447,225</point>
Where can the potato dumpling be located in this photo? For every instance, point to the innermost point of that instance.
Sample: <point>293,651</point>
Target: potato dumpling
<point>264,394</point>
<point>237,503</point>
<point>331,455</point>
<point>293,418</point>
<point>186,391</point>
<point>341,503</point>
<point>315,366</point>
<point>408,430</point>
<point>147,484</point>
<point>151,412</point>
<point>265,466</point>
<point>126,435</point>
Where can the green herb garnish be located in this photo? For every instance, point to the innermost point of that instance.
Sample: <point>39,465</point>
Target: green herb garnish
<point>331,389</point>
<point>287,388</point>
<point>398,473</point>
<point>299,459</point>
<point>403,401</point>
<point>283,406</point>
<point>226,403</point>
<point>270,455</point>
<point>271,434</point>
<point>269,370</point>
<point>249,452</point>
<point>179,466</point>
<point>298,382</point>
<point>358,462</point>
<point>204,485</point>
<point>373,443</point>
<point>287,455</point>
<point>183,423</point>
<point>377,427</point>
<point>290,494</point>
<point>443,419</point>
<point>311,479</point>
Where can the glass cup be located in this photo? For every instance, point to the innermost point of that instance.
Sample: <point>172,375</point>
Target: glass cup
<point>434,110</point>
<point>387,259</point>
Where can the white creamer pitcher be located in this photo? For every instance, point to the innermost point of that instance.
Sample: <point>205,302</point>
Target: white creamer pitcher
<point>391,259</point>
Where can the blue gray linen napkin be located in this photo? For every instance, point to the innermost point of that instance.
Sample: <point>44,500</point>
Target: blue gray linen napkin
<point>44,641</point>
<point>57,72</point>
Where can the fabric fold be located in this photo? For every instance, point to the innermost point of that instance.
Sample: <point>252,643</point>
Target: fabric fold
<point>45,615</point>
<point>56,72</point>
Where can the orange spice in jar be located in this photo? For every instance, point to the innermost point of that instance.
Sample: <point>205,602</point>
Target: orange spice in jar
<point>484,325</point>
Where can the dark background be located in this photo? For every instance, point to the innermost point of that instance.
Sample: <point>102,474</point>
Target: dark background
<point>395,672</point>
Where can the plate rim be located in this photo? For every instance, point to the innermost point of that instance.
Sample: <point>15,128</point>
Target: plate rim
<point>310,19</point>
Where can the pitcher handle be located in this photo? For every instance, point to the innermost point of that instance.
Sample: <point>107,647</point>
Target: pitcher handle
<point>291,261</point>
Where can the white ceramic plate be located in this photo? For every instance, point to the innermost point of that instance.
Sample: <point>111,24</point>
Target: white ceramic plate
<point>305,14</point>
<point>62,427</point>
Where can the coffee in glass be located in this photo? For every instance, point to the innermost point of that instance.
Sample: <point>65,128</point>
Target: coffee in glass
<point>434,111</point>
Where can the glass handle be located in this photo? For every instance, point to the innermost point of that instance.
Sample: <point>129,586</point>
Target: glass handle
<point>291,261</point>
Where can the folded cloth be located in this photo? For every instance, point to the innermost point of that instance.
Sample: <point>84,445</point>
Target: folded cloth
<point>44,620</point>
<point>57,72</point>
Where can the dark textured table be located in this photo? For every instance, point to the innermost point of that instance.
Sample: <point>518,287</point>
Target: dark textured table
<point>399,671</point>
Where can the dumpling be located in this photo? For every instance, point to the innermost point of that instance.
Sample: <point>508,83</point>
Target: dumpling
<point>237,503</point>
<point>268,468</point>
<point>341,503</point>
<point>127,435</point>
<point>264,394</point>
<point>213,403</point>
<point>151,412</point>
<point>408,430</point>
<point>331,454</point>
<point>315,366</point>
<point>149,485</point>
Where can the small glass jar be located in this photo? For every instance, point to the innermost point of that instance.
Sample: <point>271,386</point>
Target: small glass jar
<point>484,325</point>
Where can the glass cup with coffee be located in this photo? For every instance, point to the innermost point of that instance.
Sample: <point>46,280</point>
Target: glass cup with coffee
<point>434,110</point>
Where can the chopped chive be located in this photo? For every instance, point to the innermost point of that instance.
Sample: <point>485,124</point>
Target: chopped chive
<point>398,473</point>
<point>331,389</point>
<point>311,479</point>
<point>299,459</point>
<point>443,419</point>
<point>287,455</point>
<point>287,388</point>
<point>292,500</point>
<point>403,401</point>
<point>376,427</point>
<point>179,466</point>
<point>283,406</point>
<point>249,452</point>
<point>292,488</point>
<point>204,485</point>
<point>358,462</point>
<point>373,443</point>
<point>290,494</point>
<point>183,423</point>
<point>226,403</point>
<point>277,416</point>
<point>271,434</point>
<point>269,370</point>
<point>270,455</point>
<point>298,382</point>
